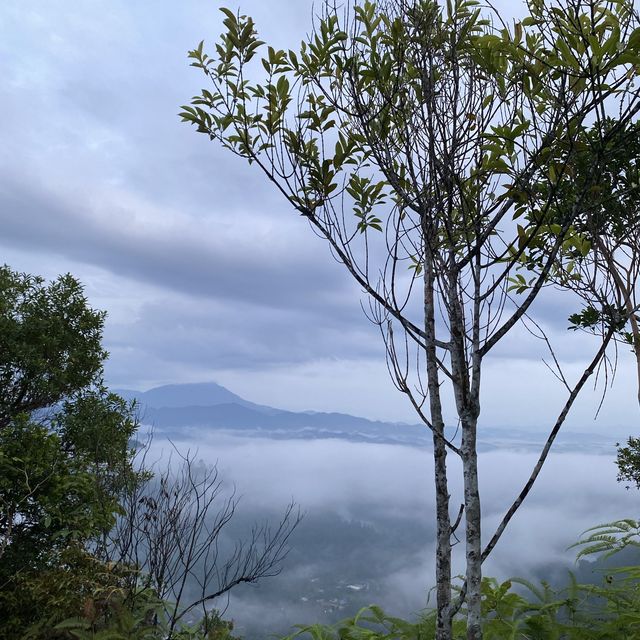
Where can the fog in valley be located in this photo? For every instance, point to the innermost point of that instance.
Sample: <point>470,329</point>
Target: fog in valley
<point>368,531</point>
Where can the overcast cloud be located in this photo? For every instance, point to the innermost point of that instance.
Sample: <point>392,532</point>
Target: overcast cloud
<point>205,273</point>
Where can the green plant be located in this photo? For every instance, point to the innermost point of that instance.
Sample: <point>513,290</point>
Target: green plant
<point>628,461</point>
<point>64,451</point>
<point>371,623</point>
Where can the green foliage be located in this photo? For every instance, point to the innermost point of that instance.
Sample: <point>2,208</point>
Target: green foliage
<point>628,461</point>
<point>58,484</point>
<point>609,538</point>
<point>593,219</point>
<point>254,119</point>
<point>372,67</point>
<point>76,584</point>
<point>65,455</point>
<point>96,429</point>
<point>43,498</point>
<point>116,620</point>
<point>115,614</point>
<point>50,342</point>
<point>592,319</point>
<point>370,623</point>
<point>210,627</point>
<point>534,612</point>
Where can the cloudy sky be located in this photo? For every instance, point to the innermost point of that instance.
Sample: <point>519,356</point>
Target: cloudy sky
<point>204,271</point>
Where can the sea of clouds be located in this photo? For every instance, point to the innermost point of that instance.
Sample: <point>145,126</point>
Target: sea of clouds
<point>369,519</point>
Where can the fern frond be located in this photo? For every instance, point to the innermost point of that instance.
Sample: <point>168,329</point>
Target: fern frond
<point>534,589</point>
<point>609,538</point>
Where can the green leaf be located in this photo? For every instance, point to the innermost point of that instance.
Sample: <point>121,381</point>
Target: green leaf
<point>633,43</point>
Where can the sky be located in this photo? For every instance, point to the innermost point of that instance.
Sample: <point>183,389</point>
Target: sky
<point>205,273</point>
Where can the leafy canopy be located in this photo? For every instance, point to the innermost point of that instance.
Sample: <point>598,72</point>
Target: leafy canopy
<point>50,342</point>
<point>65,453</point>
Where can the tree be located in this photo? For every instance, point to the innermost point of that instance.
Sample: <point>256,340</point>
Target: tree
<point>628,461</point>
<point>50,341</point>
<point>172,530</point>
<point>64,448</point>
<point>64,439</point>
<point>456,166</point>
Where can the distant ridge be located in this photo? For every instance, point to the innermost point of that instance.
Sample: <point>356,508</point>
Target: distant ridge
<point>179,410</point>
<point>173,408</point>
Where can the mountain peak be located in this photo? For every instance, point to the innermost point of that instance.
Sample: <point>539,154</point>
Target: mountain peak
<point>199,394</point>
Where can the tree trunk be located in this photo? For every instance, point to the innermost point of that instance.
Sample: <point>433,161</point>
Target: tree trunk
<point>443,519</point>
<point>466,394</point>
<point>443,542</point>
<point>473,529</point>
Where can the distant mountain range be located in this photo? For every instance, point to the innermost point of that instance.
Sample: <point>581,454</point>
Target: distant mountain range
<point>184,409</point>
<point>173,408</point>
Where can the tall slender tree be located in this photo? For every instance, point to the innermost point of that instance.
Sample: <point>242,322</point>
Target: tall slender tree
<point>455,165</point>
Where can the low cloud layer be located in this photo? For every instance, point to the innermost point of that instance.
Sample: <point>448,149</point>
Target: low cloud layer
<point>370,519</point>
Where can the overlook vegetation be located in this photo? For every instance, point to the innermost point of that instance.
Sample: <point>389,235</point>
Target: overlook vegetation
<point>93,543</point>
<point>74,501</point>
